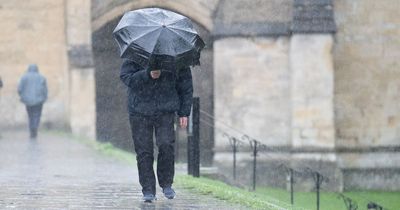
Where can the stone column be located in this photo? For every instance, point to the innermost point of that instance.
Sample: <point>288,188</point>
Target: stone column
<point>313,128</point>
<point>252,97</point>
<point>252,91</point>
<point>82,92</point>
<point>312,91</point>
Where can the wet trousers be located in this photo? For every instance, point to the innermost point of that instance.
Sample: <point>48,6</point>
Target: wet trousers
<point>143,128</point>
<point>34,113</point>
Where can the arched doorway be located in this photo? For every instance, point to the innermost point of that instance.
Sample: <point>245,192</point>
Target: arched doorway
<point>111,113</point>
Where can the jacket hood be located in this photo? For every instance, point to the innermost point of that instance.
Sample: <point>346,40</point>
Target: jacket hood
<point>33,68</point>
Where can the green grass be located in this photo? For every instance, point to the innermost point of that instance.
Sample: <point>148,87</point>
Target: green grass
<point>226,192</point>
<point>302,200</point>
<point>262,197</point>
<point>331,201</point>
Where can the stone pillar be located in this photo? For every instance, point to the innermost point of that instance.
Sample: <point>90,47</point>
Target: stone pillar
<point>82,93</point>
<point>312,91</point>
<point>252,89</point>
<point>252,97</point>
<point>313,128</point>
<point>311,64</point>
<point>252,85</point>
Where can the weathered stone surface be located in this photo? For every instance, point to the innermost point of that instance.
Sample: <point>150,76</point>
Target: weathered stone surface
<point>252,88</point>
<point>254,11</point>
<point>100,7</point>
<point>78,21</point>
<point>80,56</point>
<point>252,18</point>
<point>312,91</point>
<point>313,16</point>
<point>371,179</point>
<point>367,88</point>
<point>82,109</point>
<point>251,29</point>
<point>82,116</point>
<point>366,160</point>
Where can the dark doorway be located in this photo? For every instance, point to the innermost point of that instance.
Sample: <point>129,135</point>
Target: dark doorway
<point>111,110</point>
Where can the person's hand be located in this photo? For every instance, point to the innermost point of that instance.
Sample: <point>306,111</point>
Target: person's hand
<point>183,121</point>
<point>155,74</point>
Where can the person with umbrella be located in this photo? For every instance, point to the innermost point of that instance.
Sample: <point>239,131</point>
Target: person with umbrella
<point>158,47</point>
<point>32,90</point>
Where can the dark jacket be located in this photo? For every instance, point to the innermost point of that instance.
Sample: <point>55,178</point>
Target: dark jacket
<point>168,94</point>
<point>32,87</point>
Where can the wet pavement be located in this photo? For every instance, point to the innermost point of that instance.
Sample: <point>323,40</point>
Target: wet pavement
<point>55,172</point>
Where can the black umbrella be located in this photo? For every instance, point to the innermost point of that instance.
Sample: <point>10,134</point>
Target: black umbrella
<point>158,38</point>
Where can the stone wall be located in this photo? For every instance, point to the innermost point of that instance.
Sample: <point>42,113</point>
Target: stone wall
<point>367,93</point>
<point>252,89</point>
<point>312,91</point>
<point>252,18</point>
<point>81,69</point>
<point>255,11</point>
<point>33,32</point>
<point>367,72</point>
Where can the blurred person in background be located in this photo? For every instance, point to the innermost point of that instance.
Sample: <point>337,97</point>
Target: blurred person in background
<point>32,90</point>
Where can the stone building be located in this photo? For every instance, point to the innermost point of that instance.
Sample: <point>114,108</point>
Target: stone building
<point>315,80</point>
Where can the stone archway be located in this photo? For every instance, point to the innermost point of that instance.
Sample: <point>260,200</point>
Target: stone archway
<point>85,16</point>
<point>113,125</point>
<point>199,10</point>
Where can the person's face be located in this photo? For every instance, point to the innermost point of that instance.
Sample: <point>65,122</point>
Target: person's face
<point>155,74</point>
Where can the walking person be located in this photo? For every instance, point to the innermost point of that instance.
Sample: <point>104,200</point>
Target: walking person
<point>154,97</point>
<point>32,90</point>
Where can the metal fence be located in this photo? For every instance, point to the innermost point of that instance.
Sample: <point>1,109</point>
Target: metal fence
<point>257,148</point>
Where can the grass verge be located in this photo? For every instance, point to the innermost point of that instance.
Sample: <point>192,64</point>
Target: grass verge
<point>332,201</point>
<point>263,197</point>
<point>226,192</point>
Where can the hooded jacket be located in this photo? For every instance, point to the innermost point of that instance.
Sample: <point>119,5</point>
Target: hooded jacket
<point>168,94</point>
<point>32,87</point>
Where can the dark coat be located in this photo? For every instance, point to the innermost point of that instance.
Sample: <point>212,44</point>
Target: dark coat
<point>168,94</point>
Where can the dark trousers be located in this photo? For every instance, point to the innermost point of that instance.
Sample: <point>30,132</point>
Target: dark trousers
<point>34,113</point>
<point>142,135</point>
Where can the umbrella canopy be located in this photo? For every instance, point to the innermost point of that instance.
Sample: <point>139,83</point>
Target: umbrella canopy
<point>158,38</point>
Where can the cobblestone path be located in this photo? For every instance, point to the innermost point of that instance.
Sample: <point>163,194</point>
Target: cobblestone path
<point>55,172</point>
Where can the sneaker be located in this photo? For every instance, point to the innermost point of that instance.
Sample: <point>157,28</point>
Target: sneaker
<point>148,197</point>
<point>169,192</point>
